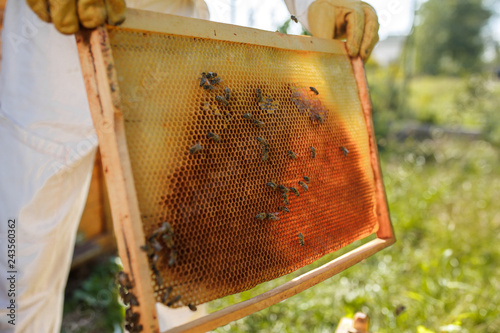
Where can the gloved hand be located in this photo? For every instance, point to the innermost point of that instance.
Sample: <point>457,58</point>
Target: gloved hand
<point>351,19</point>
<point>67,15</point>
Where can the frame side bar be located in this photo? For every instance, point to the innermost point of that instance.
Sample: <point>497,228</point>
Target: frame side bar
<point>287,290</point>
<point>385,230</point>
<point>103,96</point>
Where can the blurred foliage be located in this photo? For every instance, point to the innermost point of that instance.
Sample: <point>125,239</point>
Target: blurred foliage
<point>93,305</point>
<point>468,103</point>
<point>448,36</point>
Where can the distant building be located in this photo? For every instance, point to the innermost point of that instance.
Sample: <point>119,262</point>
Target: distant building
<point>388,50</point>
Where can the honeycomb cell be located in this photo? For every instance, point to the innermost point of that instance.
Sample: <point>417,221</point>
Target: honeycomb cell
<point>211,198</point>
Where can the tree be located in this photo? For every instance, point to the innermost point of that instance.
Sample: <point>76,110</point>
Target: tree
<point>448,36</point>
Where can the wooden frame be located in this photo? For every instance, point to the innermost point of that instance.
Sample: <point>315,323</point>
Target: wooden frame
<point>103,94</point>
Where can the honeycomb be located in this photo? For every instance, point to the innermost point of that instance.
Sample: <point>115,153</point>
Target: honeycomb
<point>211,191</point>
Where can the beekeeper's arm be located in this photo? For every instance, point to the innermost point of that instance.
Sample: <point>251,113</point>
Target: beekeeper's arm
<point>354,20</point>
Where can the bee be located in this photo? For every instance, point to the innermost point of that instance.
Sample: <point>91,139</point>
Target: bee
<point>123,293</point>
<point>272,185</point>
<point>301,183</point>
<point>294,191</point>
<point>301,239</point>
<point>272,217</point>
<point>228,93</point>
<point>284,209</point>
<point>258,123</point>
<point>213,136</point>
<point>158,278</point>
<point>166,295</point>
<point>123,280</point>
<point>148,249</point>
<point>210,75</point>
<point>173,258</point>
<point>285,199</point>
<point>399,309</point>
<point>260,99</point>
<point>208,86</point>
<point>195,149</point>
<point>174,300</point>
<point>283,188</point>
<point>203,79</point>
<point>165,227</point>
<point>215,81</point>
<point>261,216</point>
<point>262,141</point>
<point>192,307</point>
<point>133,317</point>
<point>248,116</point>
<point>155,258</point>
<point>313,150</point>
<point>222,99</point>
<point>319,118</point>
<point>291,154</point>
<point>344,150</point>
<point>168,240</point>
<point>125,298</point>
<point>294,19</point>
<point>133,300</point>
<point>265,154</point>
<point>314,90</point>
<point>155,244</point>
<point>307,179</point>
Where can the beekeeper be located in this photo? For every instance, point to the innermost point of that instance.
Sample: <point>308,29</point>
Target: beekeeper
<point>48,142</point>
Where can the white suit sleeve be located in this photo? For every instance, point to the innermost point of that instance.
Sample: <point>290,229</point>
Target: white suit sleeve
<point>299,9</point>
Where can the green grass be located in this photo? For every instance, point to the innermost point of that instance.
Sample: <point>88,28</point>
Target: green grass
<point>91,302</point>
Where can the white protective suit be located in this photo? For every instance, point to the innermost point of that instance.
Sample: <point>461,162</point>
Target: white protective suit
<point>47,149</point>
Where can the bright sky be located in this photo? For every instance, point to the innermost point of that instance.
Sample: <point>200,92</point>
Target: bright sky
<point>395,16</point>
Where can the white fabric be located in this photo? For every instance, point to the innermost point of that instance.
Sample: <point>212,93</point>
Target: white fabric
<point>47,149</point>
<point>299,9</point>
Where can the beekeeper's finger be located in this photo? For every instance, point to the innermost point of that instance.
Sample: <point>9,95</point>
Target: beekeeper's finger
<point>64,15</point>
<point>370,36</point>
<point>92,13</point>
<point>354,31</point>
<point>321,18</point>
<point>41,9</point>
<point>116,11</point>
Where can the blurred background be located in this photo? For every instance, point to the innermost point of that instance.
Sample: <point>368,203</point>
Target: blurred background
<point>435,86</point>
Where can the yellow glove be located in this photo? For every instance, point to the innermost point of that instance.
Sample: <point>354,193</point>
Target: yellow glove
<point>351,19</point>
<point>67,15</point>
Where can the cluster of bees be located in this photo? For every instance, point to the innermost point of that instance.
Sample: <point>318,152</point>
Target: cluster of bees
<point>284,192</point>
<point>159,239</point>
<point>132,318</point>
<point>210,81</point>
<point>266,103</point>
